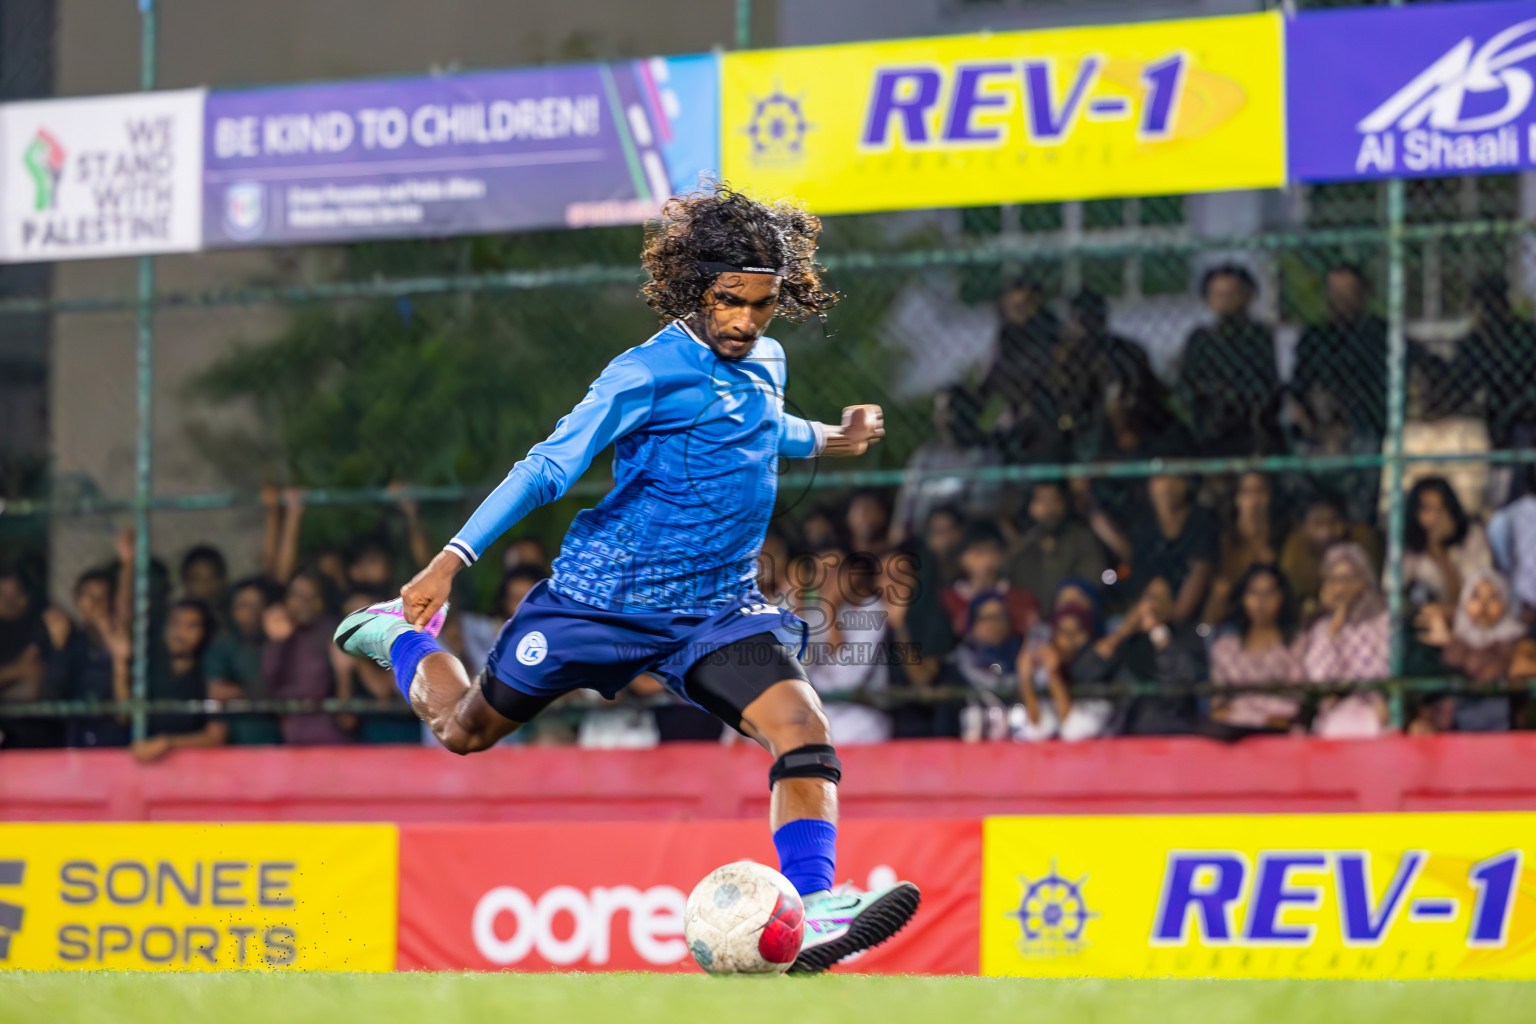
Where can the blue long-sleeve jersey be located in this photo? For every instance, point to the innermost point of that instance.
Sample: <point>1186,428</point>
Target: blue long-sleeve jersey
<point>695,474</point>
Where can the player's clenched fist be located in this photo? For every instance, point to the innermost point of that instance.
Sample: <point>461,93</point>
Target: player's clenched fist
<point>862,426</point>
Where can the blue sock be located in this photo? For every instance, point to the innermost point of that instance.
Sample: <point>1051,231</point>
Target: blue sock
<point>807,854</point>
<point>406,653</point>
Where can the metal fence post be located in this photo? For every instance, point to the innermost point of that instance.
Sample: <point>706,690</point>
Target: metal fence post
<point>743,24</point>
<point>1397,374</point>
<point>143,460</point>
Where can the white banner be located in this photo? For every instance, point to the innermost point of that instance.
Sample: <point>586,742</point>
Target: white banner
<point>105,176</point>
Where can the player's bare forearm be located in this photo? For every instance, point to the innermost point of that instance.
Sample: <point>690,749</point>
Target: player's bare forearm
<point>429,589</point>
<point>862,426</point>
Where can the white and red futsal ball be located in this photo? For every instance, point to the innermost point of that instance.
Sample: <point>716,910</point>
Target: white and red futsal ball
<point>744,918</point>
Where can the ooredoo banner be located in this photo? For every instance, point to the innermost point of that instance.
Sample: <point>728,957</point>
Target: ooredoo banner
<point>457,154</point>
<point>1427,89</point>
<point>1111,110</point>
<point>105,176</point>
<point>610,897</point>
<point>198,897</point>
<point>1274,896</point>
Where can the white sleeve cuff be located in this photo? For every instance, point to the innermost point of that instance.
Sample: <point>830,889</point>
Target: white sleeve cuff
<point>819,430</point>
<point>464,551</point>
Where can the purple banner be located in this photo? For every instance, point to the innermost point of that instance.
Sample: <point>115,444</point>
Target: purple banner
<point>1430,89</point>
<point>463,154</point>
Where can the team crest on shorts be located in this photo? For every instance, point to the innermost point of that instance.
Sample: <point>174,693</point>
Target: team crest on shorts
<point>532,648</point>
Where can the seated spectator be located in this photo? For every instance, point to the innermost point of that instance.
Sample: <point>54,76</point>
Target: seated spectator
<point>1443,547</point>
<point>1260,649</point>
<point>1047,669</point>
<point>1251,538</point>
<point>1341,364</point>
<point>1349,644</point>
<point>25,651</point>
<point>87,664</point>
<point>233,663</point>
<point>1482,641</point>
<point>1150,647</point>
<point>919,635</point>
<point>821,532</point>
<point>773,569</point>
<point>1324,523</point>
<point>1512,538</point>
<point>981,571</point>
<point>1177,544</point>
<point>205,577</point>
<point>943,533</point>
<point>989,649</point>
<point>1494,370</point>
<point>479,631</point>
<point>846,658</point>
<point>296,661</point>
<point>176,673</point>
<point>1056,547</point>
<point>956,444</point>
<point>867,523</point>
<point>1228,379</point>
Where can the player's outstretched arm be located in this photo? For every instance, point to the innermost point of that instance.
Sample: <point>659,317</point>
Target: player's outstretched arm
<point>862,426</point>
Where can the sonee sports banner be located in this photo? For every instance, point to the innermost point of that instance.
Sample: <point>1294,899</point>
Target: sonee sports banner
<point>198,897</point>
<point>1116,110</point>
<point>1274,896</point>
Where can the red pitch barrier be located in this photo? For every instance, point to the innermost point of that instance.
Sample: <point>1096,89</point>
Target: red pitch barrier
<point>919,779</point>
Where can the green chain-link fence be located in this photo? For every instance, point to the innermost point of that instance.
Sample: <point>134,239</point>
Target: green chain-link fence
<point>1367,335</point>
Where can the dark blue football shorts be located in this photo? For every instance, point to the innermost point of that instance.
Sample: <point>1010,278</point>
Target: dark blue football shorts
<point>554,644</point>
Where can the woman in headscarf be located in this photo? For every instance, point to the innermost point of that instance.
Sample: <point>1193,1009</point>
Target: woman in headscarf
<point>1349,644</point>
<point>1484,641</point>
<point>987,655</point>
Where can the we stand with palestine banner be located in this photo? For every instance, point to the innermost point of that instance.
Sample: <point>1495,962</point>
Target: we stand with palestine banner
<point>1247,101</point>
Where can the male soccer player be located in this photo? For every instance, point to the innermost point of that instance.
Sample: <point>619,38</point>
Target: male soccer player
<point>660,577</point>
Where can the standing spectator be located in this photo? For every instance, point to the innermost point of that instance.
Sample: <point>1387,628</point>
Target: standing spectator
<point>176,673</point>
<point>1047,669</point>
<point>1228,379</point>
<point>956,445</point>
<point>1349,644</point>
<point>1090,358</point>
<point>820,532</point>
<point>25,649</point>
<point>87,664</point>
<point>981,572</point>
<point>1512,538</point>
<point>867,523</point>
<point>1483,641</point>
<point>233,663</point>
<point>360,677</point>
<point>1056,547</point>
<point>1494,369</point>
<point>1259,650</point>
<point>943,533</point>
<point>1251,538</point>
<point>1178,545</point>
<point>526,550</point>
<point>1324,523</point>
<point>297,659</point>
<point>1150,647</point>
<point>1341,364</point>
<point>844,663</point>
<point>1024,373</point>
<point>1444,547</point>
<point>205,577</point>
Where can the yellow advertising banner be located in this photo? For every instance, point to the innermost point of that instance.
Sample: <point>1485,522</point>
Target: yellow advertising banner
<point>1264,896</point>
<point>1155,108</point>
<point>198,897</point>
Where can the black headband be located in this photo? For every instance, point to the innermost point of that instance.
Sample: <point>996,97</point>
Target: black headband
<point>728,268</point>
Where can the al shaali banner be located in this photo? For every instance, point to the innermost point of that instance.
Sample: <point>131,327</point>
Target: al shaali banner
<point>1428,89</point>
<point>1261,896</point>
<point>106,176</point>
<point>1162,107</point>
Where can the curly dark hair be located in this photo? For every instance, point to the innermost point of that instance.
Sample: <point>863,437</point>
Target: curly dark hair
<point>720,225</point>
